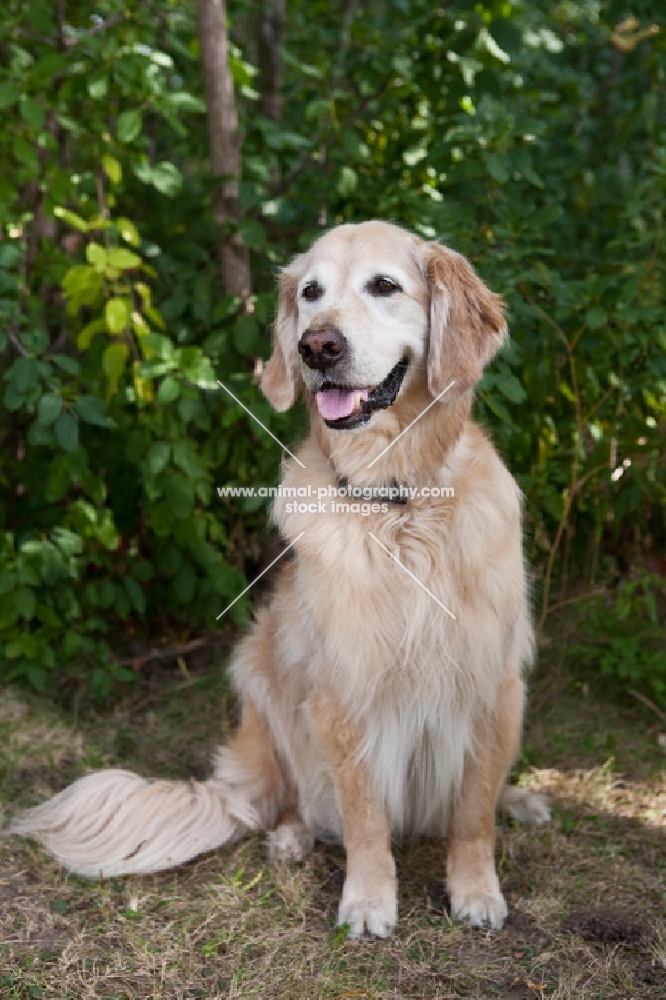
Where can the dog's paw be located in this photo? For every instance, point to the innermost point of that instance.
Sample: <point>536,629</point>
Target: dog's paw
<point>365,916</point>
<point>481,909</point>
<point>369,910</point>
<point>528,808</point>
<point>289,843</point>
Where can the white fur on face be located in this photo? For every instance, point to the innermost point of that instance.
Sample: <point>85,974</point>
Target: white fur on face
<point>380,330</point>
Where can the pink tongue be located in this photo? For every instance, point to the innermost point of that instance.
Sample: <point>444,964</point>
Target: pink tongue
<point>334,404</point>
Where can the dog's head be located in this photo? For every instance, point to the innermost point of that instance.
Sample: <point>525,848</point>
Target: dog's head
<point>369,309</point>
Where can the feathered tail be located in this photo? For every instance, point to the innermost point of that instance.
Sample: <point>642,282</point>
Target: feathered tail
<point>117,823</point>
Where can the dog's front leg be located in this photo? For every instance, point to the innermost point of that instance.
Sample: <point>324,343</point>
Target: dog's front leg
<point>472,881</point>
<point>369,896</point>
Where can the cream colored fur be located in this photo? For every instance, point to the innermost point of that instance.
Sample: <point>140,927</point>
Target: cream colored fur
<point>368,711</point>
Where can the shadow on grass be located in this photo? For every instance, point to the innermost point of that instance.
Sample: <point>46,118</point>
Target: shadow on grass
<point>586,893</point>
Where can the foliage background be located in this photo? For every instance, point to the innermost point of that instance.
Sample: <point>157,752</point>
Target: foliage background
<point>529,136</point>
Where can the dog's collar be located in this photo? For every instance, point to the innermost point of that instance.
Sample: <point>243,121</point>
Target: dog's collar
<point>395,492</point>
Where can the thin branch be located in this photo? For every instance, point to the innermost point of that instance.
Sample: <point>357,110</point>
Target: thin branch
<point>650,704</point>
<point>578,599</point>
<point>110,22</point>
<point>42,39</point>
<point>306,158</point>
<point>345,37</point>
<point>169,654</point>
<point>575,457</point>
<point>78,35</point>
<point>17,343</point>
<point>60,15</point>
<point>590,413</point>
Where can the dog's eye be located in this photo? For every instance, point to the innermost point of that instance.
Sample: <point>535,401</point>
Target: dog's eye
<point>312,291</point>
<point>383,286</point>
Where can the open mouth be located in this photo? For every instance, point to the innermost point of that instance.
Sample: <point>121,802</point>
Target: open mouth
<point>342,407</point>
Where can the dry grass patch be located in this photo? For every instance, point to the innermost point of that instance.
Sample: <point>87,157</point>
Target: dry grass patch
<point>586,894</point>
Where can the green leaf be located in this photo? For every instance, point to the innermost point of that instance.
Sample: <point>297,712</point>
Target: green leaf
<point>32,112</point>
<point>595,317</point>
<point>36,339</point>
<point>157,457</point>
<point>96,255</point>
<point>510,387</point>
<point>128,231</point>
<point>13,399</point>
<point>114,360</point>
<point>25,602</point>
<point>495,406</point>
<point>247,339</point>
<point>9,255</point>
<point>71,218</point>
<point>507,35</point>
<point>86,335</point>
<point>497,168</point>
<point>82,284</point>
<point>182,101</point>
<point>200,371</point>
<point>67,364</point>
<point>67,432</point>
<point>169,390</point>
<point>160,346</point>
<point>98,87</point>
<point>93,411</point>
<point>154,369</point>
<point>252,233</point>
<point>166,177</point>
<point>112,168</point>
<point>181,496</point>
<point>122,259</point>
<point>106,531</point>
<point>38,677</point>
<point>135,594</point>
<point>185,583</point>
<point>49,408</point>
<point>185,457</point>
<point>9,93</point>
<point>69,543</point>
<point>347,181</point>
<point>128,126</point>
<point>24,374</point>
<point>117,314</point>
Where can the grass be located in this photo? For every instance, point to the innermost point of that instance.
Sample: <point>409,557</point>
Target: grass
<point>587,894</point>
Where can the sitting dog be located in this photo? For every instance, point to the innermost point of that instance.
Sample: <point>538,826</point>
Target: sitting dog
<point>382,686</point>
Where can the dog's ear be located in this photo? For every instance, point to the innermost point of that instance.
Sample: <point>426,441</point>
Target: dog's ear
<point>281,376</point>
<point>467,325</point>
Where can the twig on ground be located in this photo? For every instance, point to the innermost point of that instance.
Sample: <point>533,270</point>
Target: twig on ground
<point>649,704</point>
<point>172,653</point>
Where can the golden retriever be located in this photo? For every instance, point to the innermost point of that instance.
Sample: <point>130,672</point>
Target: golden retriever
<point>382,686</point>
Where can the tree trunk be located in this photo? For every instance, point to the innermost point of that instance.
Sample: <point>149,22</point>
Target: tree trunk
<point>271,21</point>
<point>224,141</point>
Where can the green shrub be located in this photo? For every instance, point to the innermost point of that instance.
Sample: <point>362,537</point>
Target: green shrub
<point>528,136</point>
<point>621,639</point>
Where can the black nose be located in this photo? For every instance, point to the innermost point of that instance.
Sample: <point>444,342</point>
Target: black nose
<point>323,347</point>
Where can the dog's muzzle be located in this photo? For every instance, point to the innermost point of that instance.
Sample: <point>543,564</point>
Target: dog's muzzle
<point>343,407</point>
